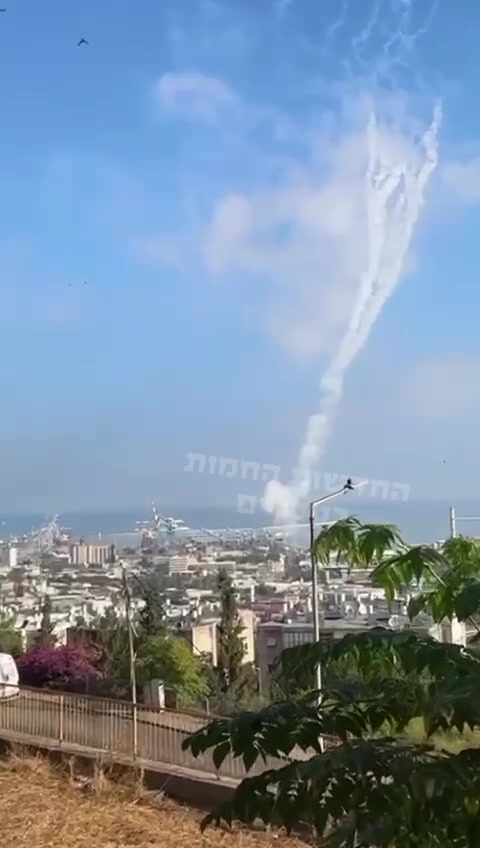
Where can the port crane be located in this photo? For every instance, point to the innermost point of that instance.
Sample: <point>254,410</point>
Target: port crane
<point>150,529</point>
<point>45,538</point>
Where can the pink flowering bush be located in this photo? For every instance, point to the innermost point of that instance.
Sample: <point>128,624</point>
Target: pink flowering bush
<point>68,667</point>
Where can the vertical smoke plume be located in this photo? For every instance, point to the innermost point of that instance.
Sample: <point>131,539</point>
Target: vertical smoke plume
<point>394,192</point>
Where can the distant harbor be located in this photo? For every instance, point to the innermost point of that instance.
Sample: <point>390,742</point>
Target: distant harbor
<point>419,521</point>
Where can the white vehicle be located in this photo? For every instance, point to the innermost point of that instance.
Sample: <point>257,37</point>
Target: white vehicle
<point>9,678</point>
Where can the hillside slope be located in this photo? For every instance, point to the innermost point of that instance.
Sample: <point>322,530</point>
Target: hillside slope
<point>41,808</point>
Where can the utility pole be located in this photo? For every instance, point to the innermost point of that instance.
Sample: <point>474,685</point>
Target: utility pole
<point>131,648</point>
<point>453,525</point>
<point>454,518</point>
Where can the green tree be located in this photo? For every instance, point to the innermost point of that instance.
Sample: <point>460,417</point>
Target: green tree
<point>151,618</point>
<point>359,545</point>
<point>231,647</point>
<point>373,786</point>
<point>45,635</point>
<point>11,640</point>
<point>335,671</point>
<point>235,682</point>
<point>111,640</point>
<point>109,620</point>
<point>169,658</point>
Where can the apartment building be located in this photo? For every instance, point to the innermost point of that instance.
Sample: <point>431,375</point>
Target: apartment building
<point>82,553</point>
<point>274,637</point>
<point>8,556</point>
<point>202,635</point>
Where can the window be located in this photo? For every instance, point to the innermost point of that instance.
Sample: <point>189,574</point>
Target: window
<point>271,642</point>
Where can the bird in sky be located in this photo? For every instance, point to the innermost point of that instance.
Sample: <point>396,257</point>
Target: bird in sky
<point>3,10</point>
<point>82,41</point>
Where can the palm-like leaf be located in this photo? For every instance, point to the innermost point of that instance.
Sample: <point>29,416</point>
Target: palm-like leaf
<point>339,540</point>
<point>374,541</point>
<point>412,566</point>
<point>463,556</point>
<point>359,544</point>
<point>447,601</point>
<point>450,577</point>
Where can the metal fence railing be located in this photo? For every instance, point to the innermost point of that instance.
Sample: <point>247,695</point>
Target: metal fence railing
<point>110,727</point>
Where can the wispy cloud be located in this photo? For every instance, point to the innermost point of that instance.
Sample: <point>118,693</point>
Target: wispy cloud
<point>296,234</point>
<point>196,96</point>
<point>301,236</point>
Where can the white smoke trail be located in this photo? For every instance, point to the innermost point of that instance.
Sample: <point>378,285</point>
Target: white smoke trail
<point>394,195</point>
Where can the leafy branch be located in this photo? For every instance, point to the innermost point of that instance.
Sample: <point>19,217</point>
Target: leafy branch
<point>361,545</point>
<point>404,651</point>
<point>372,788</point>
<point>451,587</point>
<point>446,581</point>
<point>368,793</point>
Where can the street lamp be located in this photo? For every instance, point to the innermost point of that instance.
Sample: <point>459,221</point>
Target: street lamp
<point>349,486</point>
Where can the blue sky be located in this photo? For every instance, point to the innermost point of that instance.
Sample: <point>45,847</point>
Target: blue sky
<point>138,321</point>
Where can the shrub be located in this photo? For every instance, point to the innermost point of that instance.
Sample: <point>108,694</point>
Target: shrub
<point>67,667</point>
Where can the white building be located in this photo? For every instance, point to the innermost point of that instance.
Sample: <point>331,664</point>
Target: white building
<point>8,556</point>
<point>85,554</point>
<point>183,564</point>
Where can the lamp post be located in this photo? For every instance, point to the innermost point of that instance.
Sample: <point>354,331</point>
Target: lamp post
<point>348,487</point>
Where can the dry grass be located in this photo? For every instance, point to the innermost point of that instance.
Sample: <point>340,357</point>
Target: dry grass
<point>41,808</point>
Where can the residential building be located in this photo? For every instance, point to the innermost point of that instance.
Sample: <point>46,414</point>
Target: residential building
<point>202,635</point>
<point>82,553</point>
<point>179,564</point>
<point>8,556</point>
<point>274,637</point>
